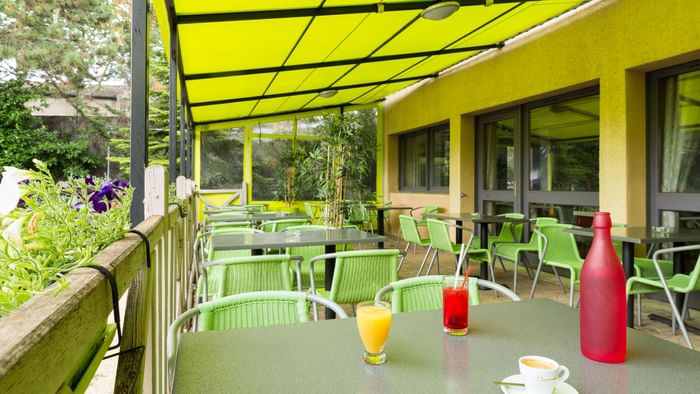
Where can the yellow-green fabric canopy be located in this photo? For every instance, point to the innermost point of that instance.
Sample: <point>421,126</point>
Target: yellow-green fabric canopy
<point>241,59</point>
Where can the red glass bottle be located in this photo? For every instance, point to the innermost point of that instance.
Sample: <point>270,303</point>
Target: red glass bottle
<point>603,299</point>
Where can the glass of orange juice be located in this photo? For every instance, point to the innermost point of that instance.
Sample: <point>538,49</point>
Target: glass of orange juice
<point>374,323</point>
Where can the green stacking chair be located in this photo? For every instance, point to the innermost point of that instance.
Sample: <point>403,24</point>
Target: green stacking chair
<point>236,275</point>
<point>425,293</point>
<point>512,250</point>
<point>358,215</point>
<point>274,226</point>
<point>558,250</point>
<point>678,283</point>
<point>80,378</point>
<point>314,212</point>
<point>257,208</point>
<point>410,233</point>
<point>440,240</point>
<point>302,274</point>
<point>255,309</point>
<point>506,232</point>
<point>358,274</point>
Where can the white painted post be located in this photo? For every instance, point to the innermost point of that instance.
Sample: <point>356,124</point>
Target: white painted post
<point>243,196</point>
<point>181,187</point>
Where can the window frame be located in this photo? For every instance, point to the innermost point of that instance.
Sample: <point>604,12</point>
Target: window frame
<point>430,138</point>
<point>522,197</point>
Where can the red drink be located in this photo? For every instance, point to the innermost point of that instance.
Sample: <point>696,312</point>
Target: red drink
<point>455,308</point>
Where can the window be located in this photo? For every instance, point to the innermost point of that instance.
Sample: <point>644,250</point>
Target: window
<point>540,158</point>
<point>222,159</point>
<point>674,145</point>
<point>424,160</point>
<point>273,160</point>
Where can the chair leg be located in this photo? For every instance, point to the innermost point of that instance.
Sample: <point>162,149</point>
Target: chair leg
<point>414,248</point>
<point>502,265</point>
<point>526,263</point>
<point>425,258</point>
<point>401,260</point>
<point>684,315</point>
<point>432,260</point>
<point>571,292</point>
<point>438,262</point>
<point>639,310</point>
<point>534,281</point>
<point>408,244</point>
<point>561,285</point>
<point>515,273</point>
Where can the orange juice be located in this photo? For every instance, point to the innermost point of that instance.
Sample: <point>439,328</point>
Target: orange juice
<point>373,323</point>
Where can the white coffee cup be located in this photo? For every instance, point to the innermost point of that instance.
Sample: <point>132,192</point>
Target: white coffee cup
<point>541,374</point>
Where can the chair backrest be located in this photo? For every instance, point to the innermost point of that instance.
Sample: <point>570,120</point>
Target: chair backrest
<point>431,208</point>
<point>359,274</point>
<point>539,222</point>
<point>425,293</point>
<point>439,235</point>
<point>409,229</point>
<point>307,253</point>
<point>311,210</point>
<point>273,226</point>
<point>507,230</point>
<point>223,225</point>
<point>255,309</point>
<point>561,246</point>
<point>213,255</point>
<point>245,274</point>
<point>255,207</point>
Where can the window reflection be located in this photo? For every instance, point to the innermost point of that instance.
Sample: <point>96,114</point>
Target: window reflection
<point>564,142</point>
<point>222,159</point>
<point>499,155</point>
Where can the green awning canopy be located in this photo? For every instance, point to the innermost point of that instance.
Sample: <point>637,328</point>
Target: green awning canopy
<point>243,59</point>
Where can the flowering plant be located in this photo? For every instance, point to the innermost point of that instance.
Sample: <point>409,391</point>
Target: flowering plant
<point>49,228</point>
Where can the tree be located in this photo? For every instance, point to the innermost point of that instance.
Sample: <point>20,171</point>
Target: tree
<point>70,45</point>
<point>23,137</point>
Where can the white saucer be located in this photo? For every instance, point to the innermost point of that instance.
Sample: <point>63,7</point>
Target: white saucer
<point>562,388</point>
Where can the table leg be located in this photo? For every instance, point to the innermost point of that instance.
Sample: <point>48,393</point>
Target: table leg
<point>257,252</point>
<point>628,266</point>
<point>380,225</point>
<point>328,278</point>
<point>458,232</point>
<point>484,234</point>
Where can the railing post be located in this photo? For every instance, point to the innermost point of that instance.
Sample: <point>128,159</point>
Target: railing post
<point>143,368</point>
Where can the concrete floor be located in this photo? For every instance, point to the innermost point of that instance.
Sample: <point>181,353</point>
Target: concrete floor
<point>547,288</point>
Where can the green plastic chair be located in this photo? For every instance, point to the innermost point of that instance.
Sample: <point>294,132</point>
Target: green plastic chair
<point>440,240</point>
<point>255,309</point>
<point>314,212</point>
<point>425,293</point>
<point>80,378</point>
<point>512,250</point>
<point>236,275</point>
<point>302,274</point>
<point>409,231</point>
<point>558,250</point>
<point>223,225</point>
<point>274,226</point>
<point>678,283</point>
<point>358,215</point>
<point>506,232</point>
<point>257,208</point>
<point>358,274</point>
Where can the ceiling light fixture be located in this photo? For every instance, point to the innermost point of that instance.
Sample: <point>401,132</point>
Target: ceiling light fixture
<point>440,11</point>
<point>328,93</point>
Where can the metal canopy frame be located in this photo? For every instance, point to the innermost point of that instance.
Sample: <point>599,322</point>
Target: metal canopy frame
<point>328,11</point>
<point>313,13</point>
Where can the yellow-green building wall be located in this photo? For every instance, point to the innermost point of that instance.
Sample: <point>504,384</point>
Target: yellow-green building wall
<point>611,43</point>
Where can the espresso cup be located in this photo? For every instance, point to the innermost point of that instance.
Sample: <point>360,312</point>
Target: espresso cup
<point>541,374</point>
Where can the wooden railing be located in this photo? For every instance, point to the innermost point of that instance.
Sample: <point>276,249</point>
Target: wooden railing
<point>43,341</point>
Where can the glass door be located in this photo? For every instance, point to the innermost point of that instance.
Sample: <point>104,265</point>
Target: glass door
<point>498,162</point>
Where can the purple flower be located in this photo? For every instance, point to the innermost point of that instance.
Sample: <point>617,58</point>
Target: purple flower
<point>89,181</point>
<point>121,184</point>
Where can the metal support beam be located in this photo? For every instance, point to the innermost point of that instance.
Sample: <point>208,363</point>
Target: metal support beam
<point>343,62</point>
<point>172,101</point>
<point>182,135</point>
<point>190,148</point>
<point>311,91</point>
<point>371,8</point>
<point>140,23</point>
<point>299,112</point>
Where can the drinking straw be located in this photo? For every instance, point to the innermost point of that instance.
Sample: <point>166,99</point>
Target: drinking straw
<point>466,276</point>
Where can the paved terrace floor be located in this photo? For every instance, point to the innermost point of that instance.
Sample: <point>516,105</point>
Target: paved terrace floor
<point>547,288</point>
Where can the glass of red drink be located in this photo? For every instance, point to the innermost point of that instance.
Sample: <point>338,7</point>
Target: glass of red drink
<point>455,306</point>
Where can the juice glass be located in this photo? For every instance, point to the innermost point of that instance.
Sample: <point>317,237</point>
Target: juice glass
<point>374,323</point>
<point>455,306</point>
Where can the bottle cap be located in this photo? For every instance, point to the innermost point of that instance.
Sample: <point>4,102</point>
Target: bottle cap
<point>601,220</point>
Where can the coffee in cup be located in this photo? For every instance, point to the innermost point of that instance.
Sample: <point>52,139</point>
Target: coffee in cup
<point>541,374</point>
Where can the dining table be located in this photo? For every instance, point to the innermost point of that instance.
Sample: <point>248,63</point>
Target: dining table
<point>482,221</point>
<point>329,238</point>
<point>326,356</point>
<point>381,210</point>
<point>638,235</point>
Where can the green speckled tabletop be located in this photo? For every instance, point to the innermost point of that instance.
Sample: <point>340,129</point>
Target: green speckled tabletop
<point>325,356</point>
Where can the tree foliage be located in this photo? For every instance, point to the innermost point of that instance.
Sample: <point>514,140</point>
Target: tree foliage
<point>70,45</point>
<point>23,137</point>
